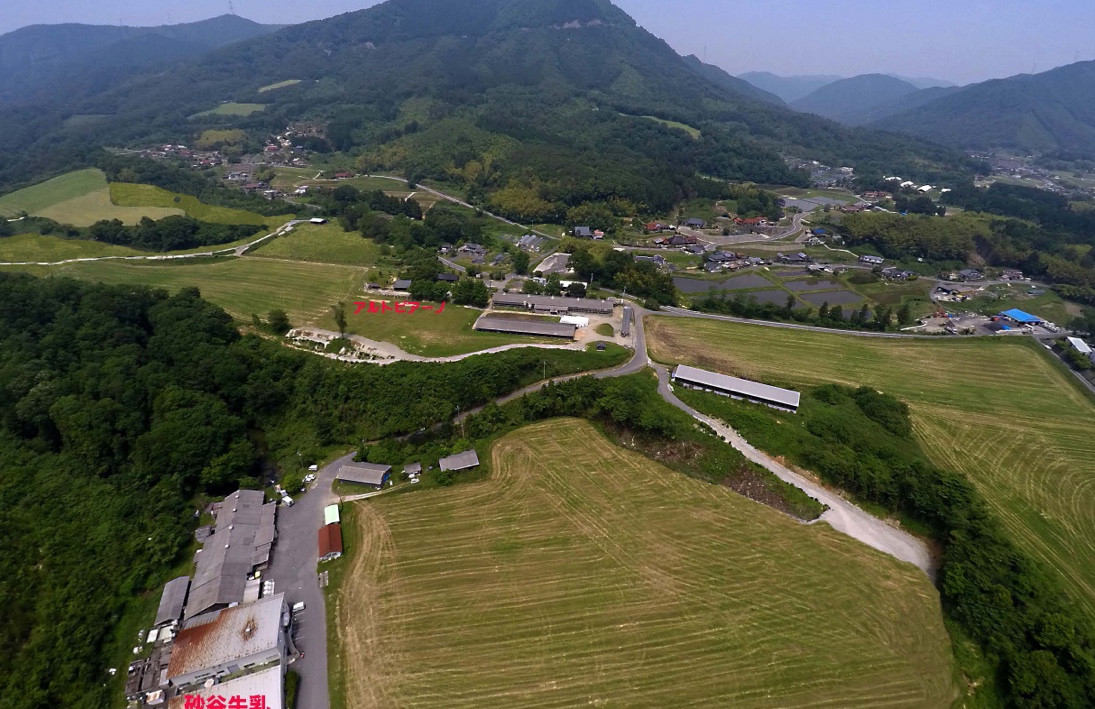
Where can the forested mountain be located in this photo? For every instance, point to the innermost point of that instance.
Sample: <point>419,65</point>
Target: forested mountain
<point>1054,110</point>
<point>720,77</point>
<point>925,82</point>
<point>550,98</point>
<point>36,61</point>
<point>789,88</point>
<point>853,101</point>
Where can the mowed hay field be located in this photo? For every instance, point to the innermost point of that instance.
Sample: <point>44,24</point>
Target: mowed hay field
<point>582,574</point>
<point>241,286</point>
<point>995,409</point>
<point>78,198</point>
<point>324,243</point>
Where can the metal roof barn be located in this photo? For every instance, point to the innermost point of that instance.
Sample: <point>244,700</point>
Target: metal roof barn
<point>172,601</point>
<point>212,643</point>
<point>460,461</point>
<point>330,542</point>
<point>525,327</point>
<point>763,393</point>
<point>1021,317</point>
<point>364,473</point>
<point>553,303</point>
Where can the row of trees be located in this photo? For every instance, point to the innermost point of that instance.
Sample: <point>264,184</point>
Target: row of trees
<point>1017,612</point>
<point>744,305</point>
<point>170,233</point>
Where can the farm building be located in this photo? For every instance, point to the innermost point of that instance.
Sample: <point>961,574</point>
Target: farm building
<point>693,378</point>
<point>556,305</point>
<point>267,684</point>
<point>460,461</point>
<point>871,260</point>
<point>412,469</point>
<point>330,514</point>
<point>247,636</point>
<point>172,601</point>
<point>575,320</point>
<point>402,284</point>
<point>1021,317</point>
<point>330,541</point>
<point>241,543</point>
<point>370,474</point>
<point>1081,347</point>
<point>583,232</point>
<point>695,223</point>
<point>526,327</point>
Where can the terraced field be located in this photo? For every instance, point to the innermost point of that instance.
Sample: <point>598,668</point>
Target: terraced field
<point>995,409</point>
<point>582,574</point>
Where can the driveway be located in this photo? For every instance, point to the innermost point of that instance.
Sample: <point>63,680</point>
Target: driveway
<point>294,573</point>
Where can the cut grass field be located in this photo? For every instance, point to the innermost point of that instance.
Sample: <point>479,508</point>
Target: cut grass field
<point>997,410</point>
<point>133,195</point>
<point>583,574</point>
<point>324,243</point>
<point>304,290</point>
<point>78,198</point>
<point>428,334</point>
<point>48,249</point>
<point>233,109</point>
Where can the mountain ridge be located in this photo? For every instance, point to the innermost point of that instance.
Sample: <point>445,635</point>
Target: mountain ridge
<point>851,101</point>
<point>1046,112</point>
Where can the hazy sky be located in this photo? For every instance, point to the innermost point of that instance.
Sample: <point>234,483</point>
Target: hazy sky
<point>956,40</point>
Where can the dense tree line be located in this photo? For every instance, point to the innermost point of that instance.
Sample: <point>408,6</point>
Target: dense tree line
<point>170,233</point>
<point>118,405</point>
<point>350,205</point>
<point>896,236</point>
<point>743,305</point>
<point>1013,608</point>
<point>620,271</point>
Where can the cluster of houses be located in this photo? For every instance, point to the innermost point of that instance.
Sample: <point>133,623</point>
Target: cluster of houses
<point>729,261</point>
<point>968,274</point>
<point>223,633</point>
<point>677,240</point>
<point>199,159</point>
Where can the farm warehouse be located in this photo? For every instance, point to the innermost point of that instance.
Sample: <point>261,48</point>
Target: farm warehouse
<point>525,327</point>
<point>775,397</point>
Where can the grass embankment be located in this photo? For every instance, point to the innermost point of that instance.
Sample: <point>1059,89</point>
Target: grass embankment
<point>581,573</point>
<point>133,195</point>
<point>78,198</point>
<point>996,410</point>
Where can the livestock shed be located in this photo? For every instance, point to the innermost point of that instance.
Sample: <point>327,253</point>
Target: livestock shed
<point>576,320</point>
<point>1021,317</point>
<point>330,541</point>
<point>370,474</point>
<point>460,461</point>
<point>553,304</point>
<point>693,378</point>
<point>526,327</point>
<point>240,544</point>
<point>172,601</point>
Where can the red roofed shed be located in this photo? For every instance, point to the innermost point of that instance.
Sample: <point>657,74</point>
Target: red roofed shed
<point>330,542</point>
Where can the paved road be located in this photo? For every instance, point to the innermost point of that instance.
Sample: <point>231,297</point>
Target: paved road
<point>294,573</point>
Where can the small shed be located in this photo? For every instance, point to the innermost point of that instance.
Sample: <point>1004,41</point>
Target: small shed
<point>402,284</point>
<point>330,542</point>
<point>330,515</point>
<point>412,469</point>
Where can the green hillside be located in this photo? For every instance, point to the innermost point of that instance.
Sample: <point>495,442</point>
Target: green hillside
<point>490,92</point>
<point>1054,110</point>
<point>853,101</point>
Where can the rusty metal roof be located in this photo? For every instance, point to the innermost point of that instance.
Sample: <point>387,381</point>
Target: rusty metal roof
<point>218,638</point>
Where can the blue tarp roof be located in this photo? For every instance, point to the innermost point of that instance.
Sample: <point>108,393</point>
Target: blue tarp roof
<point>1021,317</point>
